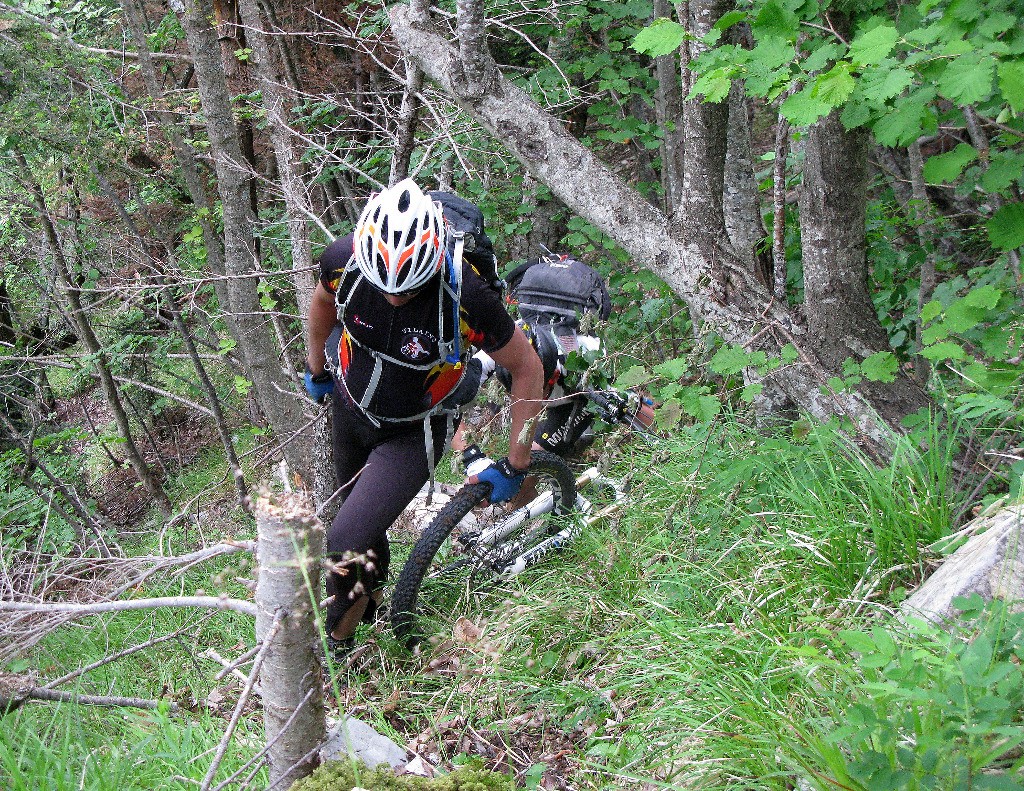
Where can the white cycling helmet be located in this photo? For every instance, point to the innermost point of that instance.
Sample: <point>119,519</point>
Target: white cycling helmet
<point>400,239</point>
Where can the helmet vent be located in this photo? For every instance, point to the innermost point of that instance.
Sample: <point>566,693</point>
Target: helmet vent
<point>404,200</point>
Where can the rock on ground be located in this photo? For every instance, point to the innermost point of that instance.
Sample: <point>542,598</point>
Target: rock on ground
<point>352,738</point>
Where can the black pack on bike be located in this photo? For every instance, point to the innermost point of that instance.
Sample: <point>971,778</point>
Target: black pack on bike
<point>558,289</point>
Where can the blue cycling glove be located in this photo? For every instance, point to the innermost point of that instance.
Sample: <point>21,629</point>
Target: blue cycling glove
<point>504,479</point>
<point>319,386</point>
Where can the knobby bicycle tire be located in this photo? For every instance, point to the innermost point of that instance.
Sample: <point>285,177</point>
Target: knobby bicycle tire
<point>404,598</point>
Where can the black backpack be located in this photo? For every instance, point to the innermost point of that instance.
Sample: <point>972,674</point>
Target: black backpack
<point>557,289</point>
<point>465,216</point>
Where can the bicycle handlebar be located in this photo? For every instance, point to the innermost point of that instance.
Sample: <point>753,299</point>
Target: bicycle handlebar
<point>614,407</point>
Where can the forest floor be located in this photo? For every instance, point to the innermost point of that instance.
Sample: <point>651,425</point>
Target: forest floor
<point>715,634</point>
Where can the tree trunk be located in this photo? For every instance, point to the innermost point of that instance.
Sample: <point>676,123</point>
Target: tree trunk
<point>734,303</point>
<point>183,153</point>
<point>668,105</point>
<point>740,200</point>
<point>837,304</point>
<point>298,208</point>
<point>924,225</point>
<point>409,112</point>
<point>780,267</point>
<point>705,131</point>
<point>288,552</point>
<point>278,400</point>
<point>7,329</point>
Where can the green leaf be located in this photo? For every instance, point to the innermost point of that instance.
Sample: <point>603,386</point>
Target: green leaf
<point>874,45</point>
<point>672,369</point>
<point>750,392</point>
<point>771,53</point>
<point>822,56</point>
<point>1004,169</point>
<point>1011,83</point>
<point>983,297</point>
<point>803,108</point>
<point>857,641</point>
<point>835,86</point>
<point>908,120</point>
<point>713,86</point>
<point>729,360</point>
<point>669,414</point>
<point>962,316</point>
<point>775,20</point>
<point>944,350</point>
<point>700,407</point>
<point>728,20</point>
<point>1006,227</point>
<point>242,385</point>
<point>789,354</point>
<point>996,23</point>
<point>884,82</point>
<point>943,168</point>
<point>856,113</point>
<point>880,367</point>
<point>661,37</point>
<point>967,79</point>
<point>836,385</point>
<point>633,377</point>
<point>964,11</point>
<point>930,311</point>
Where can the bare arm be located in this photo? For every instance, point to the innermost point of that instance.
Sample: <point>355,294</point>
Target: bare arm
<point>521,361</point>
<point>322,318</point>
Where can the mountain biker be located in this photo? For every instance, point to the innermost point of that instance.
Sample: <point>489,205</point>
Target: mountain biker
<point>552,293</point>
<point>397,313</point>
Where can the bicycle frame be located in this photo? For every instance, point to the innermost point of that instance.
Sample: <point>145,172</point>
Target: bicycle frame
<point>484,544</point>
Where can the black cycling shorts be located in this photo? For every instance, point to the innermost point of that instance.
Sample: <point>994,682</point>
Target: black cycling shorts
<point>380,470</point>
<point>562,425</point>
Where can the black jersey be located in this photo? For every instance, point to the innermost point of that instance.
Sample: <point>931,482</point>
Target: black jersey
<point>412,333</point>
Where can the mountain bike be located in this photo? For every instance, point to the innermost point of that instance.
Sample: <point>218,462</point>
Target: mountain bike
<point>463,551</point>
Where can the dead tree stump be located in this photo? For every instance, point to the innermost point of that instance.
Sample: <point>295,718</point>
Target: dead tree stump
<point>290,539</point>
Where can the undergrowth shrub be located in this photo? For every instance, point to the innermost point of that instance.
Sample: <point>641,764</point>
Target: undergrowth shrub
<point>923,708</point>
<point>676,637</point>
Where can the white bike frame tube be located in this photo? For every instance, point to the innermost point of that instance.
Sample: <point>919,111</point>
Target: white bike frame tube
<point>543,504</point>
<point>557,541</point>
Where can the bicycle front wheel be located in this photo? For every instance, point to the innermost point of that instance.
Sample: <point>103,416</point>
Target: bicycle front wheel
<point>456,555</point>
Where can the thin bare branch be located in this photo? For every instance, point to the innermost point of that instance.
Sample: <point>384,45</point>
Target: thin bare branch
<point>242,700</point>
<point>98,608</point>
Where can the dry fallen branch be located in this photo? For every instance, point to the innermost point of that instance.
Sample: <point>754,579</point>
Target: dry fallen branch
<point>81,581</point>
<point>83,610</point>
<point>16,689</point>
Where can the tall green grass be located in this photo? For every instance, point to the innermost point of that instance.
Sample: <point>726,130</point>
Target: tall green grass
<point>675,640</point>
<point>62,747</point>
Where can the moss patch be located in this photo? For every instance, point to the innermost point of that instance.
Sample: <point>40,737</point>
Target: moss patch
<point>345,776</point>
